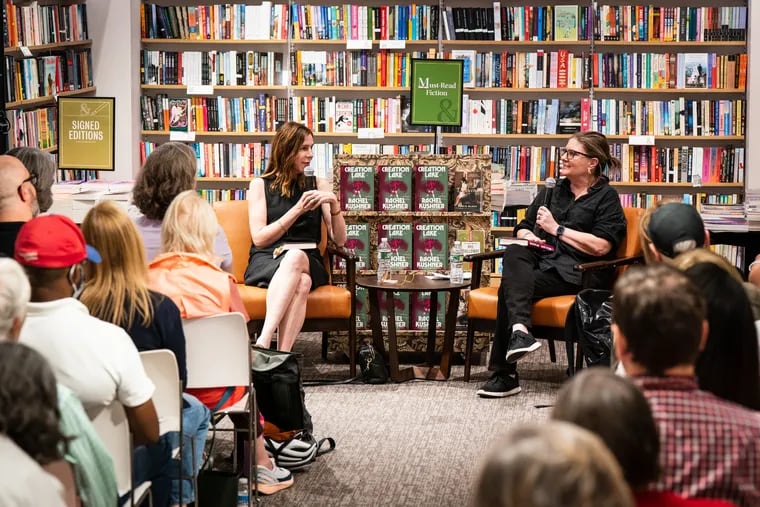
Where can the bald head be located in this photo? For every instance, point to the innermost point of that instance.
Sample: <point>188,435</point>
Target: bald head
<point>18,198</point>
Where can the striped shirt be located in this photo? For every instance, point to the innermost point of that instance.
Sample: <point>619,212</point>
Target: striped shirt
<point>709,447</point>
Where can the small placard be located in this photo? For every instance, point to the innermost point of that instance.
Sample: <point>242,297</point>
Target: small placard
<point>200,89</point>
<point>25,51</point>
<point>392,44</point>
<point>178,135</point>
<point>358,44</point>
<point>371,133</point>
<point>641,140</point>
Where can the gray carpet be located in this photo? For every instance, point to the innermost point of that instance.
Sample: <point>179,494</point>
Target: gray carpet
<point>413,444</point>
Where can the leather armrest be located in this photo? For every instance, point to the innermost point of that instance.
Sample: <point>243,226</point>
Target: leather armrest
<point>612,263</point>
<point>483,256</point>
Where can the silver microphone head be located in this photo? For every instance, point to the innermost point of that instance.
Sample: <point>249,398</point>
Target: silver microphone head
<point>311,180</point>
<point>308,172</point>
<point>550,183</point>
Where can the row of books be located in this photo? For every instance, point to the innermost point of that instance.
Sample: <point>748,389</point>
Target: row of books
<point>696,199</point>
<point>35,24</point>
<point>724,217</point>
<point>37,127</point>
<point>225,194</point>
<point>215,22</point>
<point>217,68</point>
<point>412,310</point>
<point>31,78</point>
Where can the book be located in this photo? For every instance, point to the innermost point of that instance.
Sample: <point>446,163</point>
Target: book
<point>178,117</point>
<point>565,22</point>
<point>357,243</point>
<point>468,191</point>
<point>569,116</point>
<point>357,188</point>
<point>695,70</point>
<point>362,308</point>
<point>430,250</point>
<point>420,310</point>
<point>530,243</point>
<point>472,241</point>
<point>400,304</point>
<point>468,56</point>
<point>400,239</point>
<point>344,116</point>
<point>431,191</point>
<point>394,192</point>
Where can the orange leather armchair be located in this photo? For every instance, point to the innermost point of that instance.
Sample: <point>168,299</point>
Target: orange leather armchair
<point>328,308</point>
<point>549,314</point>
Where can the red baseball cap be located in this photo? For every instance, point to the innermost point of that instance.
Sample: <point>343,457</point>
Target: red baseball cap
<point>52,241</point>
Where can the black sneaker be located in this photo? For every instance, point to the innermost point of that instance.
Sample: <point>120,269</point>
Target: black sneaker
<point>500,385</point>
<point>520,345</point>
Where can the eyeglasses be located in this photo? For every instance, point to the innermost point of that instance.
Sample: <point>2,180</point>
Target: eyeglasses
<point>31,179</point>
<point>571,154</point>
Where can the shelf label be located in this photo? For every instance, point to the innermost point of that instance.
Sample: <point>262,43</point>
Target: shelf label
<point>392,44</point>
<point>358,44</point>
<point>641,140</point>
<point>178,135</point>
<point>368,133</point>
<point>696,181</point>
<point>25,51</point>
<point>200,89</point>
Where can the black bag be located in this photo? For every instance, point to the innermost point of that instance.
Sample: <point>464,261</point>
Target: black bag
<point>217,488</point>
<point>279,391</point>
<point>372,365</point>
<point>592,327</point>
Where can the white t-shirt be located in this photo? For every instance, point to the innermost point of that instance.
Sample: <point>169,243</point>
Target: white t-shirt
<point>23,482</point>
<point>95,359</point>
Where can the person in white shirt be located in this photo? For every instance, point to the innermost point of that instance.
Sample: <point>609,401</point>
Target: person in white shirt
<point>23,482</point>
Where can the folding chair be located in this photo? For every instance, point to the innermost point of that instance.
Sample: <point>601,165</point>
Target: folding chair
<point>218,354</point>
<point>113,428</point>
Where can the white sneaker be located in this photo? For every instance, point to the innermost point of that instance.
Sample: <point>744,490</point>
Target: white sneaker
<point>272,481</point>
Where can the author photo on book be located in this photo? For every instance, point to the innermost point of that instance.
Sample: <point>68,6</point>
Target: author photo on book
<point>580,220</point>
<point>286,207</point>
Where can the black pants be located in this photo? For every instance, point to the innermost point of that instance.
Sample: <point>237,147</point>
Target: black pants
<point>521,284</point>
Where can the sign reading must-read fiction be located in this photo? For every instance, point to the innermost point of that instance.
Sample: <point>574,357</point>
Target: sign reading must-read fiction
<point>86,133</point>
<point>436,92</point>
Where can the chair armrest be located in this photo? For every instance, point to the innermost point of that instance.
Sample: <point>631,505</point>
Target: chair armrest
<point>477,264</point>
<point>588,268</point>
<point>350,259</point>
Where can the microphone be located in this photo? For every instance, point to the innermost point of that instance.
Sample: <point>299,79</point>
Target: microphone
<point>311,180</point>
<point>550,183</point>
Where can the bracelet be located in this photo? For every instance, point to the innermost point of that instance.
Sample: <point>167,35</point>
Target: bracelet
<point>335,213</point>
<point>752,265</point>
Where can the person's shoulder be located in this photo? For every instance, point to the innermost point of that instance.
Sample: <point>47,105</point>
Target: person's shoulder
<point>163,304</point>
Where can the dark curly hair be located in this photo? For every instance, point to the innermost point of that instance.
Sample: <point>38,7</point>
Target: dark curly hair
<point>168,171</point>
<point>29,403</point>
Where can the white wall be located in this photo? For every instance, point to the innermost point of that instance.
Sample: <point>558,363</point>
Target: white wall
<point>115,32</point>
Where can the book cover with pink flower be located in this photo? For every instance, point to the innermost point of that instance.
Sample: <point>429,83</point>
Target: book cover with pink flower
<point>357,187</point>
<point>357,243</point>
<point>400,304</point>
<point>431,192</point>
<point>400,239</point>
<point>394,192</point>
<point>431,246</point>
<point>420,311</point>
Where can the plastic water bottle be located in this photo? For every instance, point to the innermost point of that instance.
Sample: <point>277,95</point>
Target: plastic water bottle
<point>243,492</point>
<point>383,260</point>
<point>456,275</point>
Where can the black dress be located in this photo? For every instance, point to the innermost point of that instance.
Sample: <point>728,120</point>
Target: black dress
<point>308,228</point>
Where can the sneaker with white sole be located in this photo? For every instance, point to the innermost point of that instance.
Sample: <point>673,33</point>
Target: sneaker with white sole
<point>520,345</point>
<point>271,481</point>
<point>500,385</point>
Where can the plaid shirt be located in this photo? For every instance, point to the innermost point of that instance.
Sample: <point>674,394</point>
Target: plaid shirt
<point>710,447</point>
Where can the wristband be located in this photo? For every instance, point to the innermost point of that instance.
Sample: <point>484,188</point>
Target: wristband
<point>335,213</point>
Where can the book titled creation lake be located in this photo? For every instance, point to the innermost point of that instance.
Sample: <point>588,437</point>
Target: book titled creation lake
<point>431,192</point>
<point>357,187</point>
<point>394,191</point>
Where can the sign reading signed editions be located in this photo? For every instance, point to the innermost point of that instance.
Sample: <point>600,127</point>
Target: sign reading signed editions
<point>436,92</point>
<point>85,133</point>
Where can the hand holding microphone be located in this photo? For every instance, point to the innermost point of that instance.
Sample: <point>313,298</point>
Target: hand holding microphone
<point>311,180</point>
<point>544,217</point>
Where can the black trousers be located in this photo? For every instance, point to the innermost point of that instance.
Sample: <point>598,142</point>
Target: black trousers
<point>521,284</point>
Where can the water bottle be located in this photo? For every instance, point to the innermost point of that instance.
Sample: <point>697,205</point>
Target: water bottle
<point>243,492</point>
<point>456,275</point>
<point>383,260</point>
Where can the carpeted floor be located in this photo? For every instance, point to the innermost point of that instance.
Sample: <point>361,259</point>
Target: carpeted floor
<point>413,444</point>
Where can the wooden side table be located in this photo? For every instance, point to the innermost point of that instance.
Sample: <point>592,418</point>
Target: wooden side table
<point>420,283</point>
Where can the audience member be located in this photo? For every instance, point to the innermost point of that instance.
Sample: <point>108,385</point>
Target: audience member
<point>95,359</point>
<point>18,201</point>
<point>284,210</point>
<point>670,229</point>
<point>710,447</point>
<point>614,409</point>
<point>728,364</point>
<point>582,221</point>
<point>117,292</point>
<point>41,165</point>
<point>185,271</point>
<point>93,468</point>
<point>168,171</point>
<point>547,465</point>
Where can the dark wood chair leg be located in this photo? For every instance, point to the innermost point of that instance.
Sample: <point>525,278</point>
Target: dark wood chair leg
<point>552,352</point>
<point>468,349</point>
<point>324,345</point>
<point>352,346</point>
<point>579,359</point>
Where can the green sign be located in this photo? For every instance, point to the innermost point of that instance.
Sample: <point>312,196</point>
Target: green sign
<point>85,133</point>
<point>436,92</point>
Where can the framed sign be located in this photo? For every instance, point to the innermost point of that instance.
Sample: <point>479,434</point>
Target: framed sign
<point>436,92</point>
<point>85,133</point>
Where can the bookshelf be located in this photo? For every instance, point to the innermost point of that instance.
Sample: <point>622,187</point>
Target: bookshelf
<point>47,54</point>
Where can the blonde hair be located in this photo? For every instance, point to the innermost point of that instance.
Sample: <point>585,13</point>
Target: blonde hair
<point>555,463</point>
<point>699,255</point>
<point>646,239</point>
<point>117,288</point>
<point>189,226</point>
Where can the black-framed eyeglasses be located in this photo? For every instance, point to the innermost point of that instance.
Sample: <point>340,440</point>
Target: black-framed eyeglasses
<point>571,154</point>
<point>31,179</point>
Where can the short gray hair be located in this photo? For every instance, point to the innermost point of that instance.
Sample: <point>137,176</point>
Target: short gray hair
<point>42,165</point>
<point>15,292</point>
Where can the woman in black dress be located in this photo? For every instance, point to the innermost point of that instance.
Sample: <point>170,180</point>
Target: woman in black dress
<point>282,211</point>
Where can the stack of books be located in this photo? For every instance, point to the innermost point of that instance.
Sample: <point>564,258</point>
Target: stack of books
<point>725,217</point>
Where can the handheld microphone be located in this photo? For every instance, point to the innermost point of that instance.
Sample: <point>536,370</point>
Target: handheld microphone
<point>550,183</point>
<point>311,180</point>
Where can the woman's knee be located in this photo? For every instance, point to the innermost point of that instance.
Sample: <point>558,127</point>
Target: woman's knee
<point>304,285</point>
<point>296,260</point>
